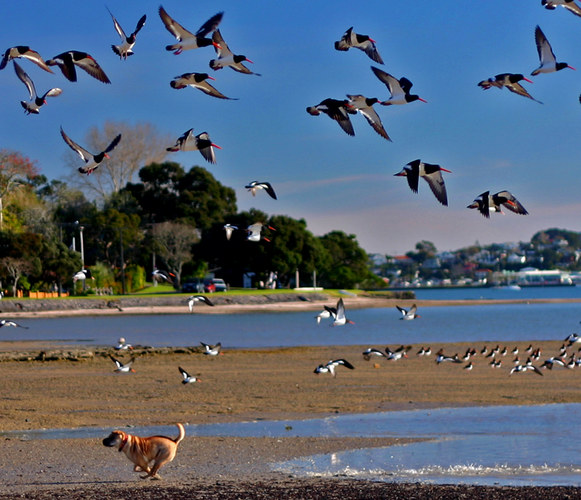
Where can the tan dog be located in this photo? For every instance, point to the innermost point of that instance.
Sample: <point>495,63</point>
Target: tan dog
<point>143,450</point>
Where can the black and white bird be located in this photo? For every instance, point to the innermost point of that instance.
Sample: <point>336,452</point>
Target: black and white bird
<point>212,350</point>
<point>339,318</point>
<point>570,5</point>
<point>8,322</point>
<point>186,39</point>
<point>229,228</point>
<point>372,351</point>
<point>336,110</point>
<point>510,81</point>
<point>399,89</point>
<point>198,81</point>
<point>83,274</point>
<point>160,276</point>
<point>486,203</point>
<point>326,313</point>
<point>330,366</point>
<point>36,101</point>
<point>123,367</point>
<point>255,186</point>
<point>365,106</point>
<point>24,52</point>
<point>547,58</point>
<point>122,345</point>
<point>68,61</point>
<point>408,314</point>
<point>187,378</point>
<point>399,353</point>
<point>254,231</point>
<point>125,49</point>
<point>350,39</point>
<point>92,161</point>
<point>201,142</point>
<point>193,299</point>
<point>432,174</point>
<point>226,58</point>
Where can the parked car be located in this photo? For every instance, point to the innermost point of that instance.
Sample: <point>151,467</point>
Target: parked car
<point>194,285</point>
<point>215,285</point>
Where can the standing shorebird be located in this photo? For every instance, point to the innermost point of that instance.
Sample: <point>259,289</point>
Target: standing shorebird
<point>432,174</point>
<point>547,58</point>
<point>350,39</point>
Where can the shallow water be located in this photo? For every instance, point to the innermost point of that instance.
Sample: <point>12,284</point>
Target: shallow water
<point>508,445</point>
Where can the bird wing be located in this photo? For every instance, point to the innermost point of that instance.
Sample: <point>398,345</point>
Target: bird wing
<point>184,373</point>
<point>269,189</point>
<point>517,88</point>
<point>118,27</point>
<point>116,361</point>
<point>392,83</point>
<point>140,24</point>
<point>340,310</point>
<point>223,50</point>
<point>113,144</point>
<point>210,25</point>
<point>87,63</point>
<point>413,175</point>
<point>371,51</point>
<point>175,28</point>
<point>65,62</point>
<point>345,363</point>
<point>206,149</point>
<point>206,300</point>
<point>543,46</point>
<point>413,310</point>
<point>181,140</point>
<point>24,78</point>
<point>433,176</point>
<point>401,310</point>
<point>484,207</point>
<point>82,152</point>
<point>373,119</point>
<point>52,92</point>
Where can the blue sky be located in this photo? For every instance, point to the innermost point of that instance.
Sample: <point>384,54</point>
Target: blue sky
<point>490,140</point>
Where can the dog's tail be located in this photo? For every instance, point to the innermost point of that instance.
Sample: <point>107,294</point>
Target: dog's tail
<point>182,434</point>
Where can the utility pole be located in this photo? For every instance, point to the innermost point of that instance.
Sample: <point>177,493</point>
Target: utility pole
<point>122,263</point>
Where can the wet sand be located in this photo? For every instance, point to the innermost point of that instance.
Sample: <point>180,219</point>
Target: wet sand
<point>241,385</point>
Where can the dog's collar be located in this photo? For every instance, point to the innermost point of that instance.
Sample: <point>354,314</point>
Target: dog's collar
<point>124,442</point>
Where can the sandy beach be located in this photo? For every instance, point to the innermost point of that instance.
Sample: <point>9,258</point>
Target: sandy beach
<point>241,385</point>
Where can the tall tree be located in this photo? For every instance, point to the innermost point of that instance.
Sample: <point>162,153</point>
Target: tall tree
<point>140,145</point>
<point>173,243</point>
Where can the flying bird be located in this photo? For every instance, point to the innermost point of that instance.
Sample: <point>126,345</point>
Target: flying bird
<point>486,203</point>
<point>36,102</point>
<point>198,81</point>
<point>123,367</point>
<point>254,231</point>
<point>159,276</point>
<point>201,142</point>
<point>7,322</point>
<point>336,110</point>
<point>399,353</point>
<point>92,161</point>
<point>68,60</point>
<point>187,40</point>
<point>83,274</point>
<point>350,39</point>
<point>408,314</point>
<point>399,89</point>
<point>432,174</point>
<point>327,312</point>
<point>192,300</point>
<point>127,42</point>
<point>229,228</point>
<point>330,366</point>
<point>365,106</point>
<point>570,5</point>
<point>339,319</point>
<point>373,352</point>
<point>547,58</point>
<point>212,350</point>
<point>227,58</point>
<point>256,186</point>
<point>26,53</point>
<point>187,378</point>
<point>510,81</point>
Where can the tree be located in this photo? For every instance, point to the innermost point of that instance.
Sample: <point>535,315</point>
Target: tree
<point>16,268</point>
<point>140,145</point>
<point>173,242</point>
<point>15,170</point>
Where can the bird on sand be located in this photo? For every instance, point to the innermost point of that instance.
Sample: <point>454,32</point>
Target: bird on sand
<point>125,49</point>
<point>8,322</point>
<point>330,366</point>
<point>570,5</point>
<point>399,89</point>
<point>193,299</point>
<point>486,203</point>
<point>226,58</point>
<point>24,52</point>
<point>187,378</point>
<point>198,81</point>
<point>547,58</point>
<point>122,345</point>
<point>432,174</point>
<point>365,106</point>
<point>201,142</point>
<point>350,39</point>
<point>67,61</point>
<point>36,102</point>
<point>92,161</point>
<point>336,110</point>
<point>123,367</point>
<point>510,81</point>
<point>186,39</point>
<point>255,186</point>
<point>408,314</point>
<point>212,350</point>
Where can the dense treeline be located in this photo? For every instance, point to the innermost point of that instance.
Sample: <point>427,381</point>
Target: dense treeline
<point>172,219</point>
